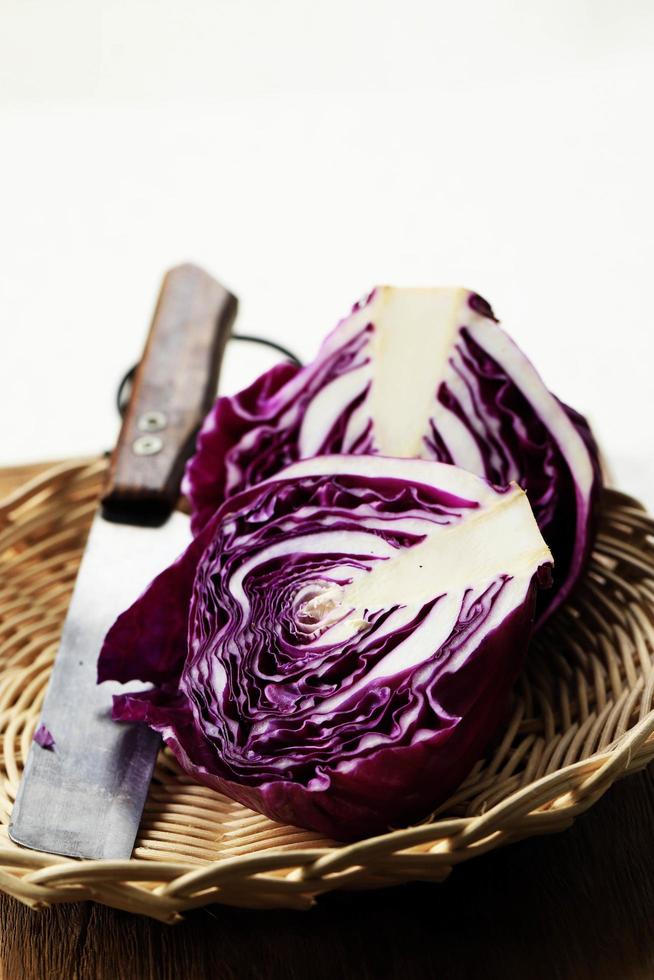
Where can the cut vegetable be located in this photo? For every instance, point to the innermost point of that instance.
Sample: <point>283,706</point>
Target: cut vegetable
<point>43,737</point>
<point>414,373</point>
<point>336,647</point>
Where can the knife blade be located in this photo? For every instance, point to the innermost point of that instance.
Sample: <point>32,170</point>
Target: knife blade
<point>84,798</point>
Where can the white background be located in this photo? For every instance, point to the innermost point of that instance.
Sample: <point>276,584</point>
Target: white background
<point>305,151</point>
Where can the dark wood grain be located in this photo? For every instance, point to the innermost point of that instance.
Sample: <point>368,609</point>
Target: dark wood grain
<point>175,380</point>
<point>573,906</point>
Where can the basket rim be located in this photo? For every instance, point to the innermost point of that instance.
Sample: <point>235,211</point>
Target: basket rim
<point>294,878</point>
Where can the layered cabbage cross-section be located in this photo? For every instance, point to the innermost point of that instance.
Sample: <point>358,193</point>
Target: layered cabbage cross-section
<point>423,373</point>
<point>337,645</point>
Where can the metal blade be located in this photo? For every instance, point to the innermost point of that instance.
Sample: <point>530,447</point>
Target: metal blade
<point>85,797</point>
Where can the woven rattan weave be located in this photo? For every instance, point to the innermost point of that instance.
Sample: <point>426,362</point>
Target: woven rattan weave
<point>581,718</point>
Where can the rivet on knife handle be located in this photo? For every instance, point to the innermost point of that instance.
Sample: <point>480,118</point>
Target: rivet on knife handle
<point>172,390</point>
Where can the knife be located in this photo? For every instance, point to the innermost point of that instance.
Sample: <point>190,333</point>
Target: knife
<point>84,797</point>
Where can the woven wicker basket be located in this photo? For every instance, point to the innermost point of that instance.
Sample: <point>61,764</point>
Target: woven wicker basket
<point>582,717</point>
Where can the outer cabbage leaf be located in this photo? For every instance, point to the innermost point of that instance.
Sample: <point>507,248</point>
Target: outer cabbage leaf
<point>336,647</point>
<point>414,373</point>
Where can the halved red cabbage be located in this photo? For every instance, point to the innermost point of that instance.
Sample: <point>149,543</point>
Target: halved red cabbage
<point>414,372</point>
<point>336,647</point>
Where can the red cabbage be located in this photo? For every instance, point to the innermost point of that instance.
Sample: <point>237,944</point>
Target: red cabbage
<point>336,646</point>
<point>44,737</point>
<point>414,372</point>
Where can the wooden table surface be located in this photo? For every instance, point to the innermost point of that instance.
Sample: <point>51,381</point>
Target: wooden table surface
<point>571,906</point>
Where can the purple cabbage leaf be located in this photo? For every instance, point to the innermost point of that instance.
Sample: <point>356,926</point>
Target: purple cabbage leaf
<point>44,737</point>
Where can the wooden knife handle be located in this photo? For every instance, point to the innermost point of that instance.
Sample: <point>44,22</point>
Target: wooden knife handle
<point>173,389</point>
